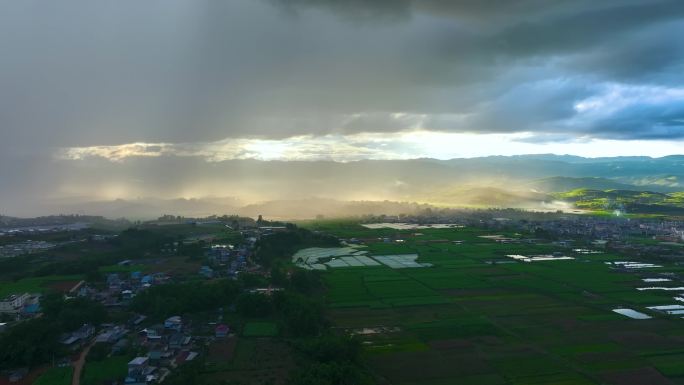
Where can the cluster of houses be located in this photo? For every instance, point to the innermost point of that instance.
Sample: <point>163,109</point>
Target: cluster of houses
<point>562,226</point>
<point>168,345</point>
<point>121,288</point>
<point>116,335</point>
<point>20,305</point>
<point>610,229</point>
<point>163,346</point>
<point>26,247</point>
<point>40,226</point>
<point>227,259</point>
<point>615,235</point>
<point>78,338</point>
<point>570,231</point>
<point>666,231</point>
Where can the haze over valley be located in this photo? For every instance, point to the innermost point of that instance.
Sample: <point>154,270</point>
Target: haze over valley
<point>146,188</point>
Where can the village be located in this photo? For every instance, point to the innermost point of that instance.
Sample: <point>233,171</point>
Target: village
<point>156,347</point>
<point>635,236</point>
<point>160,346</point>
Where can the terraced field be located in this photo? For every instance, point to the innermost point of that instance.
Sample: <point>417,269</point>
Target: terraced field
<point>478,317</point>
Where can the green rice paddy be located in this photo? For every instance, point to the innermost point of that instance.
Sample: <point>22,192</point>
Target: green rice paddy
<point>56,376</point>
<point>478,317</point>
<point>260,329</point>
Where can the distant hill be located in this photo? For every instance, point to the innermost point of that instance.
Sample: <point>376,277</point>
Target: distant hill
<point>483,196</point>
<point>628,200</point>
<point>148,208</point>
<point>303,208</point>
<point>55,220</point>
<point>561,183</point>
<point>313,207</point>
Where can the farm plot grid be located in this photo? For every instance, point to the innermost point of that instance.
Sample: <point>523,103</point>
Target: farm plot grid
<point>477,316</point>
<point>321,258</point>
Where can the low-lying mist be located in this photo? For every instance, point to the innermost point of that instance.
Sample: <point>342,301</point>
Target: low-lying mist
<point>309,203</point>
<point>149,187</point>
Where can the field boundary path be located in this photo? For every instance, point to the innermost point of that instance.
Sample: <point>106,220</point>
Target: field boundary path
<point>78,364</point>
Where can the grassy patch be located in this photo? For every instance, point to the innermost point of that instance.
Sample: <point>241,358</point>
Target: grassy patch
<point>34,285</point>
<point>122,268</point>
<point>260,329</point>
<point>56,376</point>
<point>112,368</point>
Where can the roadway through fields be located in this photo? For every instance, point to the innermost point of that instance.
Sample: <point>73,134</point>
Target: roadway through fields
<point>78,364</point>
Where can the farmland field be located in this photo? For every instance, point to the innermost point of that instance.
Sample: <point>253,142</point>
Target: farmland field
<point>36,285</point>
<point>253,360</point>
<point>477,317</point>
<point>55,376</point>
<point>112,368</point>
<point>260,329</point>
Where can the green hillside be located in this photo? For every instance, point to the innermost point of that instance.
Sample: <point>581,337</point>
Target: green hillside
<point>562,183</point>
<point>628,200</point>
<point>482,196</point>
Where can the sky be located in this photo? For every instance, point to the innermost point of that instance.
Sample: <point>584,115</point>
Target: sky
<point>339,80</point>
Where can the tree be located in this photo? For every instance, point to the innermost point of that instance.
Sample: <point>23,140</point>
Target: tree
<point>334,361</point>
<point>72,313</point>
<point>305,281</point>
<point>187,374</point>
<point>284,244</point>
<point>278,275</point>
<point>30,343</point>
<point>332,348</point>
<point>302,315</point>
<point>166,300</point>
<point>332,373</point>
<point>254,305</point>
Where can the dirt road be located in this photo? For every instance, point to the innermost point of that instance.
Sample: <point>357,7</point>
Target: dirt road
<point>78,365</point>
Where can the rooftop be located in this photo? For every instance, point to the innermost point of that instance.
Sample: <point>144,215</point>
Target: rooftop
<point>138,361</point>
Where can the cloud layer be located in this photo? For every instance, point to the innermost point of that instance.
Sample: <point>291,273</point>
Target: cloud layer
<point>179,71</point>
<point>205,81</point>
<point>376,146</point>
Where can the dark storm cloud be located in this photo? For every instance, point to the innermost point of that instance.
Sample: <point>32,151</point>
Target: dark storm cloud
<point>649,55</point>
<point>503,12</point>
<point>83,73</point>
<point>663,122</point>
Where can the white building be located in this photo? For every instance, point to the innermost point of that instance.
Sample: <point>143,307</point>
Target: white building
<point>13,303</point>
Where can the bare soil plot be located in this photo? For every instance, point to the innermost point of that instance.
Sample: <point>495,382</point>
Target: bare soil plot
<point>222,350</point>
<point>254,361</point>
